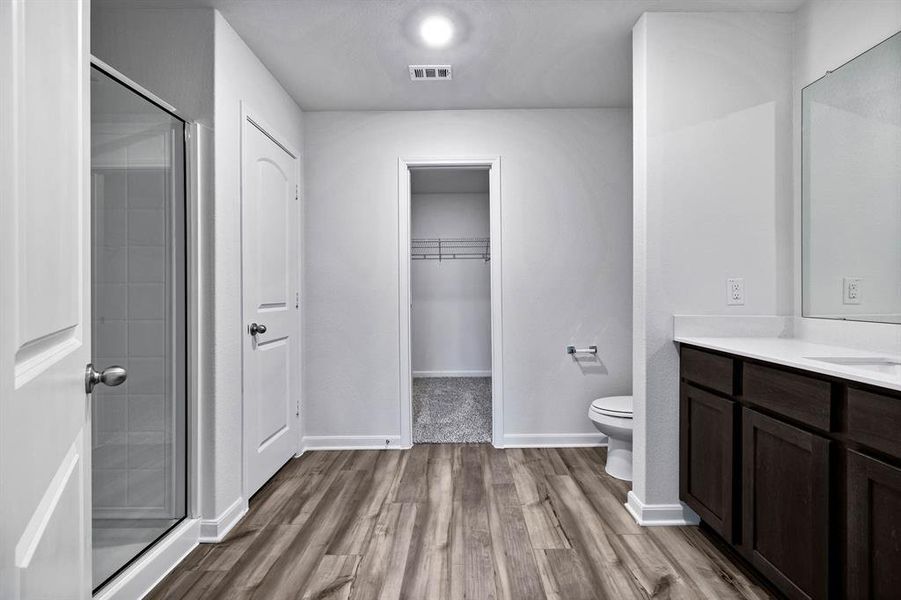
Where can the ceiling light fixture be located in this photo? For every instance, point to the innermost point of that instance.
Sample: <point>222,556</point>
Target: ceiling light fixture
<point>436,31</point>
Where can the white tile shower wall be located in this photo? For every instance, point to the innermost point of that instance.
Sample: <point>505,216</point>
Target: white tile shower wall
<point>131,472</point>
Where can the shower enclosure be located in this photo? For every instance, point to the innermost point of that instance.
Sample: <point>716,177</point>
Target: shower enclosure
<point>138,187</point>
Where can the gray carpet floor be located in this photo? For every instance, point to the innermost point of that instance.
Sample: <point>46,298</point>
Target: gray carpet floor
<point>451,409</point>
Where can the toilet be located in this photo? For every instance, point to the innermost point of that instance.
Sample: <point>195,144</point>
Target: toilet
<point>612,416</point>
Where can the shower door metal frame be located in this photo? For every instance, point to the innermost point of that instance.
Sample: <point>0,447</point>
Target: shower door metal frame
<point>145,569</point>
<point>492,164</point>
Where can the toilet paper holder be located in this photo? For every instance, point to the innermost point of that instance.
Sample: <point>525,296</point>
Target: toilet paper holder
<point>588,350</point>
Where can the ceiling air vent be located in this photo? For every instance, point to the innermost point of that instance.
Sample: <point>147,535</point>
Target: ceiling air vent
<point>430,72</point>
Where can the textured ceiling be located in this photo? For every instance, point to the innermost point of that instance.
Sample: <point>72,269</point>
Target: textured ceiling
<point>353,54</point>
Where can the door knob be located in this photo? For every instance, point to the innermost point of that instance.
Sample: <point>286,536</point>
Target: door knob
<point>255,329</point>
<point>111,376</point>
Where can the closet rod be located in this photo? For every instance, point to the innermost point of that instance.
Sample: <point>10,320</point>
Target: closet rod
<point>450,248</point>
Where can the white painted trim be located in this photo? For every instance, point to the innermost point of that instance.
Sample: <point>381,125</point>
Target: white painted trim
<point>405,294</point>
<point>660,514</point>
<point>136,87</point>
<point>214,530</point>
<point>554,440</point>
<point>425,374</point>
<point>253,118</point>
<point>149,569</point>
<point>199,138</point>
<point>249,114</point>
<point>351,442</point>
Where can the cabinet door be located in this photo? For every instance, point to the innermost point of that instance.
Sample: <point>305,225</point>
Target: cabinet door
<point>785,504</point>
<point>706,457</point>
<point>874,528</point>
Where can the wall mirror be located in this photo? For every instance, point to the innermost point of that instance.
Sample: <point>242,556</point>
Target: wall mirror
<point>851,189</point>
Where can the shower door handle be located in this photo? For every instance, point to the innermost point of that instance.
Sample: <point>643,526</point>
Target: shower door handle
<point>255,329</point>
<point>111,376</point>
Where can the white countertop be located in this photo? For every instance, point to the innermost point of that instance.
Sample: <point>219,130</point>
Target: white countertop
<point>793,352</point>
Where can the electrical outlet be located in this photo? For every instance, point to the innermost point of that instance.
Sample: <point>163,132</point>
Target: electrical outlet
<point>735,291</point>
<point>852,290</point>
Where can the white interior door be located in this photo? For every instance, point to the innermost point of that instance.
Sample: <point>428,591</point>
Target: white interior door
<point>45,332</point>
<point>270,235</point>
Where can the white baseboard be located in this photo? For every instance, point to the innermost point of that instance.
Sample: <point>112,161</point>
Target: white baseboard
<point>351,442</point>
<point>553,440</point>
<point>516,440</point>
<point>213,530</point>
<point>149,569</point>
<point>660,514</point>
<point>417,374</point>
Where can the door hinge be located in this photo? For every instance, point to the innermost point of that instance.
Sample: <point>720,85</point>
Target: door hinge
<point>297,300</point>
<point>297,414</point>
<point>297,192</point>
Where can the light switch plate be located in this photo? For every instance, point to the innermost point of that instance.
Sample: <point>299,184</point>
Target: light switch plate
<point>735,291</point>
<point>852,290</point>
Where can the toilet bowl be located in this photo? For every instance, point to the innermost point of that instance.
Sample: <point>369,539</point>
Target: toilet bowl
<point>612,416</point>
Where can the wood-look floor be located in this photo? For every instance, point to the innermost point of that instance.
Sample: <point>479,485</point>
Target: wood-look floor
<point>452,521</point>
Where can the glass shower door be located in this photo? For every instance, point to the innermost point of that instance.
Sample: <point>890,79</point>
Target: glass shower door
<point>139,322</point>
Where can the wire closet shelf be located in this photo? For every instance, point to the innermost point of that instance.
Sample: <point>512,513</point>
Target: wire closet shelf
<point>451,248</point>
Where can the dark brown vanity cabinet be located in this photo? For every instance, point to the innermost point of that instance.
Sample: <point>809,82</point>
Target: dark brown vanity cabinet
<point>799,472</point>
<point>706,437</point>
<point>785,504</point>
<point>874,528</point>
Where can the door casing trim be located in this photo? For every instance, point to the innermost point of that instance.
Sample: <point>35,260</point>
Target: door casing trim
<point>405,294</point>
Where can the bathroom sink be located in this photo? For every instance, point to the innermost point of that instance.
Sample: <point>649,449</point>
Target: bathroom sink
<point>879,364</point>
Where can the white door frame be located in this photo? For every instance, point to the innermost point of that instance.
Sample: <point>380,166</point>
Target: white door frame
<point>251,117</point>
<point>405,297</point>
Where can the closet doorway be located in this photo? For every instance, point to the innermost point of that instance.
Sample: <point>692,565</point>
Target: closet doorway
<point>450,301</point>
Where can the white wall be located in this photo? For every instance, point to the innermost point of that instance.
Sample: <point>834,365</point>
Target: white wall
<point>239,78</point>
<point>829,33</point>
<point>712,110</point>
<point>565,194</point>
<point>169,52</point>
<point>135,424</point>
<point>451,298</point>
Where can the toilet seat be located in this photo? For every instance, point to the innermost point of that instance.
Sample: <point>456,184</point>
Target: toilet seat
<point>613,406</point>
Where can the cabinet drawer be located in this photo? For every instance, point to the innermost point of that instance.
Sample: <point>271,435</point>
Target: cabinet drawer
<point>874,420</point>
<point>710,370</point>
<point>804,399</point>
